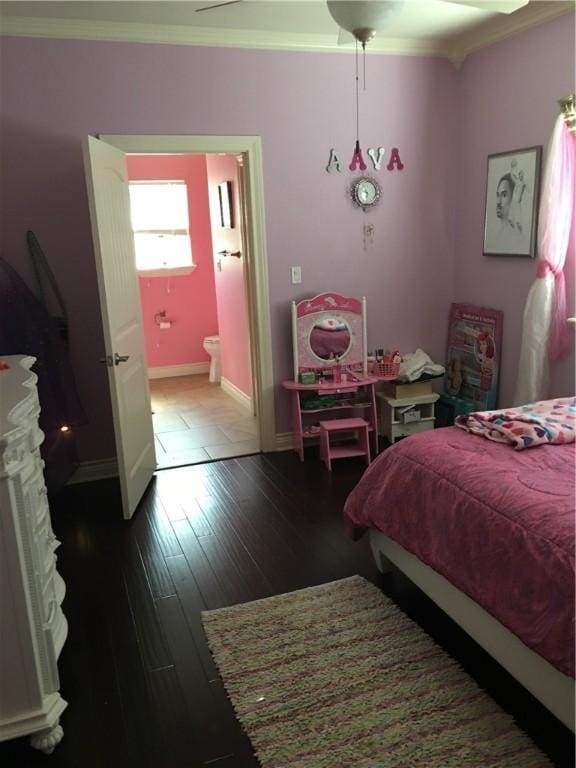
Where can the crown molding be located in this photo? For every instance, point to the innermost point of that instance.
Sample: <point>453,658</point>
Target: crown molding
<point>72,29</point>
<point>453,50</point>
<point>493,32</point>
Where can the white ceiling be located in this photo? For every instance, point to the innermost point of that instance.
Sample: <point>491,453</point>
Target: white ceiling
<point>421,27</point>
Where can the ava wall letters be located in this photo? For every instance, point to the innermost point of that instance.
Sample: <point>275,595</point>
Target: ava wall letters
<point>357,162</point>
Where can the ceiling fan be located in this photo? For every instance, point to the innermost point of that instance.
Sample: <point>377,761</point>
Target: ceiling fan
<point>363,18</point>
<point>217,5</point>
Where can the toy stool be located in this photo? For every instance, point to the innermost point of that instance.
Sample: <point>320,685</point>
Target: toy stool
<point>360,448</point>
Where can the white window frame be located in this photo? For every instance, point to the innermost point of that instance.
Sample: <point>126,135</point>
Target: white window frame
<point>164,271</point>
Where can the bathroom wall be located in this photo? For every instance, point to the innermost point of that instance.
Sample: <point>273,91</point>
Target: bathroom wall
<point>189,300</point>
<point>231,296</point>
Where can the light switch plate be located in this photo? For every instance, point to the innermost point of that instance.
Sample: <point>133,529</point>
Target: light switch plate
<point>296,274</point>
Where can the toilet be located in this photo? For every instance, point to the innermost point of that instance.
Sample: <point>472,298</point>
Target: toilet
<point>212,346</point>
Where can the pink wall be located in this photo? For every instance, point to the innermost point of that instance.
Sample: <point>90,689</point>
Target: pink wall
<point>189,300</point>
<point>54,92</point>
<point>230,278</point>
<point>508,96</point>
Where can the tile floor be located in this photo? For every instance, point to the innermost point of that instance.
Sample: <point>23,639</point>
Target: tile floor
<point>195,421</point>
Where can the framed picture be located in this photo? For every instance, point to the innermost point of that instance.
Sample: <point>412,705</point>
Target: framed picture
<point>511,205</point>
<point>225,199</point>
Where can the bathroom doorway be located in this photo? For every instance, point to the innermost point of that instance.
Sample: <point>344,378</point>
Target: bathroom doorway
<point>187,213</point>
<point>108,195</point>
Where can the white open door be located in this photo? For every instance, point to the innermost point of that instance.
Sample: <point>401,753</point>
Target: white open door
<point>107,184</point>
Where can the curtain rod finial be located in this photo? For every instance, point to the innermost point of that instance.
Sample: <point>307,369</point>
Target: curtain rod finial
<point>568,109</point>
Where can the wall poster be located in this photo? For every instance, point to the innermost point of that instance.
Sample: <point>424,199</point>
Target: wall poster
<point>473,355</point>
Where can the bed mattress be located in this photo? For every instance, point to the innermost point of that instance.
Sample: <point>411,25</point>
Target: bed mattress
<point>497,523</point>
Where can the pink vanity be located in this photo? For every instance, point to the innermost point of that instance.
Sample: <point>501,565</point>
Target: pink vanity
<point>333,397</point>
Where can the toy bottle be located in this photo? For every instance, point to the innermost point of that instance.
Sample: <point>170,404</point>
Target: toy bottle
<point>337,371</point>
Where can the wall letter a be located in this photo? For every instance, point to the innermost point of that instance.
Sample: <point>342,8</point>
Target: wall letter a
<point>333,162</point>
<point>357,159</point>
<point>395,160</point>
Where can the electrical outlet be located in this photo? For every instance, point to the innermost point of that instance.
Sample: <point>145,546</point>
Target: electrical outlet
<point>296,274</point>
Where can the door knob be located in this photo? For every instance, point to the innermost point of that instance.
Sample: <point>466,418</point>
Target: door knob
<point>116,360</point>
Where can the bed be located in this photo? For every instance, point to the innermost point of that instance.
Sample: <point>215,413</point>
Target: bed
<point>488,533</point>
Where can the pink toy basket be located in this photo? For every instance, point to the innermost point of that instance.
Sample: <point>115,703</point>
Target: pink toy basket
<point>385,370</point>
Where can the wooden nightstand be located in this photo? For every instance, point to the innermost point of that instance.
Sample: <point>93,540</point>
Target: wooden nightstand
<point>400,417</point>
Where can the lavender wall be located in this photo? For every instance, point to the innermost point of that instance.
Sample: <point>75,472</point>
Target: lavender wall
<point>54,92</point>
<point>508,95</point>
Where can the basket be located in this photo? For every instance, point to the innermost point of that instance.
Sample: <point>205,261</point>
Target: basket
<point>385,370</point>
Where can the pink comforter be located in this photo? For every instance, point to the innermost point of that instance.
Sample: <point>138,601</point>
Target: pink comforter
<point>497,523</point>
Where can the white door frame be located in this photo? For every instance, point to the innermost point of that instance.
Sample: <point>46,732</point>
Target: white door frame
<point>250,147</point>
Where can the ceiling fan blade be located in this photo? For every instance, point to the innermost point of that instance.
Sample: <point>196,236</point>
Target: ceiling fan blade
<point>217,5</point>
<point>496,6</point>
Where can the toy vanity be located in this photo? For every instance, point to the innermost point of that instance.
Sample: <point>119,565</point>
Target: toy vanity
<point>333,398</point>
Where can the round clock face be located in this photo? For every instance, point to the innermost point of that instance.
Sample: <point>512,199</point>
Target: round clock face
<point>365,192</point>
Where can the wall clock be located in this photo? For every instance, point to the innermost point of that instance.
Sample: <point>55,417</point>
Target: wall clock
<point>365,192</point>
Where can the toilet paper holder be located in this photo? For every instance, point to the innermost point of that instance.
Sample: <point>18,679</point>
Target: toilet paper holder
<point>162,321</point>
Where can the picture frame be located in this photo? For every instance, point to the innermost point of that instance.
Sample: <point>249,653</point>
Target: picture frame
<point>226,208</point>
<point>511,203</point>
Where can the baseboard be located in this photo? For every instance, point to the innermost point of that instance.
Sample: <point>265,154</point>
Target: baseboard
<point>283,441</point>
<point>89,471</point>
<point>187,369</point>
<point>240,397</point>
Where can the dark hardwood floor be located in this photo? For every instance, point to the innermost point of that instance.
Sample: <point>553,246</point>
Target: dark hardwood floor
<point>136,670</point>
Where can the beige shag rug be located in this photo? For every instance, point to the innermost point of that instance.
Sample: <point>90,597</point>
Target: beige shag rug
<point>336,676</point>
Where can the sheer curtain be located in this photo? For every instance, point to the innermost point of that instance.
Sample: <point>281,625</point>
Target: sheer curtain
<point>545,331</point>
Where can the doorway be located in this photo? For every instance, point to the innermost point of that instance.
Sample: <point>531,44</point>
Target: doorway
<point>109,249</point>
<point>191,263</point>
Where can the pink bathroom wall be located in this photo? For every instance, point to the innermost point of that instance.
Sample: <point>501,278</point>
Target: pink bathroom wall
<point>189,300</point>
<point>508,96</point>
<point>55,92</point>
<point>230,278</point>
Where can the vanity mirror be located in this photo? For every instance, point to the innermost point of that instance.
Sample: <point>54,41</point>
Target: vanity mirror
<point>330,338</point>
<point>329,329</point>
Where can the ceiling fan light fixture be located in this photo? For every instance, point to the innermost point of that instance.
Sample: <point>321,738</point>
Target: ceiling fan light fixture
<point>364,17</point>
<point>364,34</point>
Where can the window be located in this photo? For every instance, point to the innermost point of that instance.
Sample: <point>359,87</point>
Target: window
<point>159,212</point>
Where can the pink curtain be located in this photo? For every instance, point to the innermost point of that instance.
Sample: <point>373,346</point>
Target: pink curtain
<point>545,334</point>
<point>556,207</point>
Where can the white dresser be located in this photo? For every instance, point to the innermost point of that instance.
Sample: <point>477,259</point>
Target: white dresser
<point>32,626</point>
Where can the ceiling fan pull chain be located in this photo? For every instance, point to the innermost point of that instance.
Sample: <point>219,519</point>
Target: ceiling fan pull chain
<point>357,104</point>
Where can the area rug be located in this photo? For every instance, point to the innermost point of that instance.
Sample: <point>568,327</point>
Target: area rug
<point>336,676</point>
